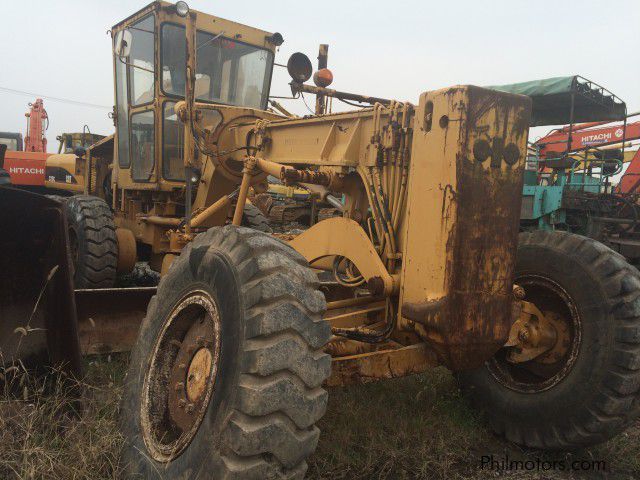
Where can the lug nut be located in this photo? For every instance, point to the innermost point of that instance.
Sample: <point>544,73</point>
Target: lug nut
<point>523,335</point>
<point>190,408</point>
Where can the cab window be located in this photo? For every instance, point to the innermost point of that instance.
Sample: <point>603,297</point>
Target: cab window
<point>142,146</point>
<point>227,71</point>
<point>173,144</point>
<point>141,59</point>
<point>122,114</point>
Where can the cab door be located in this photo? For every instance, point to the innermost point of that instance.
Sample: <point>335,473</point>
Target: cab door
<point>135,95</point>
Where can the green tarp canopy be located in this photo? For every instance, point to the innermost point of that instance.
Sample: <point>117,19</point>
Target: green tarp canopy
<point>552,100</point>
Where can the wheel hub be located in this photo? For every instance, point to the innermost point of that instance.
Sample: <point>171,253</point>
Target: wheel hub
<point>532,335</point>
<point>562,338</point>
<point>182,375</point>
<point>542,347</point>
<point>198,373</point>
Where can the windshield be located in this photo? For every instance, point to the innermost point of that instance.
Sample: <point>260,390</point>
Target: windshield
<point>227,71</point>
<point>11,143</point>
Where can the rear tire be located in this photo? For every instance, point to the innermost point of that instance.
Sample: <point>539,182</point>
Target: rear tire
<point>264,383</point>
<point>92,237</point>
<point>593,395</point>
<point>254,218</point>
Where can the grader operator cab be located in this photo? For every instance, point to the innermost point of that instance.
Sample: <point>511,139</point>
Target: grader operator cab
<point>227,373</point>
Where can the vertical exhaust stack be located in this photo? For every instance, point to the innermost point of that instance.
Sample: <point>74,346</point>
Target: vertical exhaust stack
<point>469,149</point>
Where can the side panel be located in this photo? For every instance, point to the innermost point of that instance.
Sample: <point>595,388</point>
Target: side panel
<point>26,168</point>
<point>464,200</point>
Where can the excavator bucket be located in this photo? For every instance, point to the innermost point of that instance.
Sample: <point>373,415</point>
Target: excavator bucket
<point>38,326</point>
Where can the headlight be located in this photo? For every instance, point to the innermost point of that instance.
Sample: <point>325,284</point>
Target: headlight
<point>182,9</point>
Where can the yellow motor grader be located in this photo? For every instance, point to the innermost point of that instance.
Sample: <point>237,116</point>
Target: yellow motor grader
<point>425,267</point>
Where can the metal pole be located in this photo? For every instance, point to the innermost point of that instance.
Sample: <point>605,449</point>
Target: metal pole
<point>328,92</point>
<point>188,153</point>
<point>187,200</point>
<point>242,196</point>
<point>323,54</point>
<point>569,135</point>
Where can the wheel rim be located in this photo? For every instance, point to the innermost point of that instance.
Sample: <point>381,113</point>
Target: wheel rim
<point>181,377</point>
<point>550,368</point>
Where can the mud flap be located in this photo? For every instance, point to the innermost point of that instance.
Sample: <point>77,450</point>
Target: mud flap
<point>38,325</point>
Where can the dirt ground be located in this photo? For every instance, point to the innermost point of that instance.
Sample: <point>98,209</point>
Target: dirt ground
<point>411,428</point>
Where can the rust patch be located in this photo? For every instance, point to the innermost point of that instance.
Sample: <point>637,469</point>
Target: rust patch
<point>468,326</point>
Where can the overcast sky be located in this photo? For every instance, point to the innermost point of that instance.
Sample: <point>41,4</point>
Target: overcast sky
<point>394,49</point>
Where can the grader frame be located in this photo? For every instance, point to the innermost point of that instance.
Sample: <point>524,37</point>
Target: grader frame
<point>429,242</point>
<point>244,328</point>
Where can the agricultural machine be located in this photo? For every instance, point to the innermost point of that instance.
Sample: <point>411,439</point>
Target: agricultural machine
<point>575,178</point>
<point>424,267</point>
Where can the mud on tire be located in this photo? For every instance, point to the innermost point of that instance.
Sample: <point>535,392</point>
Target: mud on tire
<point>597,397</point>
<point>259,422</point>
<point>94,245</point>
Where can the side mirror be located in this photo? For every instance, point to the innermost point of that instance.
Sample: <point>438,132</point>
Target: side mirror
<point>122,43</point>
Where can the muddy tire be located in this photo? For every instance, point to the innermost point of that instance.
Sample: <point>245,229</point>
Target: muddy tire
<point>257,312</point>
<point>590,392</point>
<point>254,218</point>
<point>93,242</point>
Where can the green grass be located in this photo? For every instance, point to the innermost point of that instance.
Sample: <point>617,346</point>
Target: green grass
<point>411,428</point>
<point>69,432</point>
<point>421,428</point>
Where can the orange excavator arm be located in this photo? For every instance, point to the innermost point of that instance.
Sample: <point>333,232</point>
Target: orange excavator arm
<point>585,136</point>
<point>630,181</point>
<point>37,123</point>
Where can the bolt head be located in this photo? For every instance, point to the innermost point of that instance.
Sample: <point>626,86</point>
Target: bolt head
<point>518,292</point>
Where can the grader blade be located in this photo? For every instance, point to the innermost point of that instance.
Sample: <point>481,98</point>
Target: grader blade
<point>109,318</point>
<point>38,325</point>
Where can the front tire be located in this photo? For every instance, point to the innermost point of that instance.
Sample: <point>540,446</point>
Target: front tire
<point>257,314</point>
<point>586,390</point>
